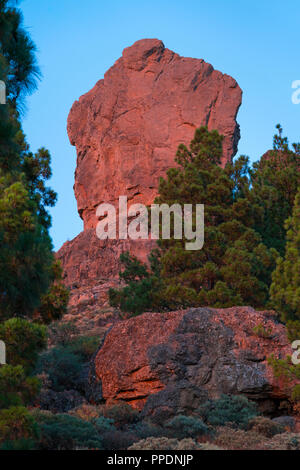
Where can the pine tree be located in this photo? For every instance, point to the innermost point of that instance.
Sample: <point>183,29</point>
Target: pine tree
<point>275,180</point>
<point>234,267</point>
<point>30,277</point>
<point>26,260</point>
<point>285,288</point>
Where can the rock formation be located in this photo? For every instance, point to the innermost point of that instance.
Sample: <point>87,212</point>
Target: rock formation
<point>126,131</point>
<point>127,128</point>
<point>167,363</point>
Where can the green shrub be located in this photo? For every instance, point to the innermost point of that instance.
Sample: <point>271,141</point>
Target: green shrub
<point>16,424</point>
<point>64,432</point>
<point>122,414</point>
<point>235,410</point>
<point>23,340</point>
<point>296,393</point>
<point>288,372</point>
<point>117,440</point>
<point>62,366</point>
<point>84,346</point>
<point>293,329</point>
<point>15,388</point>
<point>260,331</point>
<point>144,429</point>
<point>186,426</point>
<point>20,444</point>
<point>103,425</point>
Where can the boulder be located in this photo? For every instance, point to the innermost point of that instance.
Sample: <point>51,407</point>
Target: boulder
<point>168,363</point>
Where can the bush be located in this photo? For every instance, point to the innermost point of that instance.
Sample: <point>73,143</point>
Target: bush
<point>20,444</point>
<point>265,426</point>
<point>288,373</point>
<point>62,333</point>
<point>143,430</point>
<point>64,432</point>
<point>62,366</point>
<point>163,443</point>
<point>104,425</point>
<point>16,424</point>
<point>60,402</point>
<point>296,393</point>
<point>260,331</point>
<point>23,340</point>
<point>122,414</point>
<point>285,441</point>
<point>84,346</point>
<point>293,330</point>
<point>186,426</point>
<point>117,440</point>
<point>235,410</point>
<point>238,439</point>
<point>15,388</point>
<point>86,412</point>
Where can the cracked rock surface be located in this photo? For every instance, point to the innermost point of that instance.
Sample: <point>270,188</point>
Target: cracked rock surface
<point>165,363</point>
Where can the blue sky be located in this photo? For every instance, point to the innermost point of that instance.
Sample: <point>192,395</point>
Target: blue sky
<point>255,41</point>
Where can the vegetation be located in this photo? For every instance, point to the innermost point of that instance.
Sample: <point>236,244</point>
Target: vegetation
<point>265,426</point>
<point>262,332</point>
<point>64,432</point>
<point>31,287</point>
<point>289,373</point>
<point>164,443</point>
<point>17,428</point>
<point>275,180</point>
<point>285,288</point>
<point>234,410</point>
<point>235,265</point>
<point>187,426</point>
<point>251,256</point>
<point>23,340</point>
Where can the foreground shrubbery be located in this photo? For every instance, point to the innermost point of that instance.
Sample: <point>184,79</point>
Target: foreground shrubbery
<point>163,443</point>
<point>65,432</point>
<point>64,363</point>
<point>89,427</point>
<point>17,428</point>
<point>187,426</point>
<point>236,411</point>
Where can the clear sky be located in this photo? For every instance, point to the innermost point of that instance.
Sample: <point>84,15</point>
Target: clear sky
<point>255,41</point>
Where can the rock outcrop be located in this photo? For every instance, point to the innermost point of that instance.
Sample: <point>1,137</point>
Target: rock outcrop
<point>126,131</point>
<point>127,128</point>
<point>167,363</point>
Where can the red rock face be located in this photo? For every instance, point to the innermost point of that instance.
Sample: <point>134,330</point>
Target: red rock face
<point>127,128</point>
<point>126,131</point>
<point>171,362</point>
